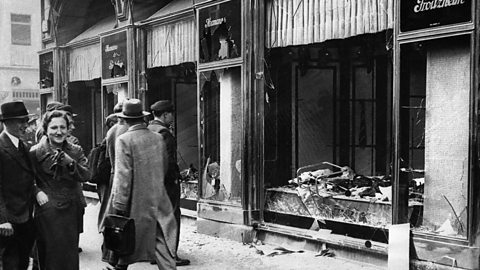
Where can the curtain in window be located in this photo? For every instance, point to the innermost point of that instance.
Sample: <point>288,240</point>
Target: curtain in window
<point>300,22</point>
<point>171,44</point>
<point>84,63</point>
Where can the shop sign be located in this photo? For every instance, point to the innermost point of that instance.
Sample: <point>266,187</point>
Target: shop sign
<point>114,55</point>
<point>220,31</point>
<point>420,14</point>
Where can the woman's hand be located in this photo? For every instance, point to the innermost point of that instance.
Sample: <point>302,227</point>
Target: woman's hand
<point>65,159</point>
<point>42,198</point>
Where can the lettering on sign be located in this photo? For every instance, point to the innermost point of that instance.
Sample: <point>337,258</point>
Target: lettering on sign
<point>423,5</point>
<point>209,22</point>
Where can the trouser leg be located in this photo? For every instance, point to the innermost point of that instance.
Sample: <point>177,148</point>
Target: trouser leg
<point>17,248</point>
<point>165,260</point>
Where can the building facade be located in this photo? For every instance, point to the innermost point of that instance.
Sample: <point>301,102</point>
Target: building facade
<point>20,41</point>
<point>331,123</point>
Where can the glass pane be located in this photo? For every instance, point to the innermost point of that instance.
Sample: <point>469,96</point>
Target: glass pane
<point>222,134</point>
<point>435,98</point>
<point>220,31</point>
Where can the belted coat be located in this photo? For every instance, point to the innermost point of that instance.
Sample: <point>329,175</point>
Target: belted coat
<point>138,189</point>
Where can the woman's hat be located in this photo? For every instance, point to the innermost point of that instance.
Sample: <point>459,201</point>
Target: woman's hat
<point>132,108</point>
<point>14,109</point>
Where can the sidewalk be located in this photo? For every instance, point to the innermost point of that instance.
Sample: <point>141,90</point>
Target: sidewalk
<point>208,252</point>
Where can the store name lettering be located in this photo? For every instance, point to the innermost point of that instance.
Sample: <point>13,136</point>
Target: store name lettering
<point>209,22</point>
<point>109,48</point>
<point>423,5</point>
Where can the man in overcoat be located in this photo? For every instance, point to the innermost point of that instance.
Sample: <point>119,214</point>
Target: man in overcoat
<point>139,192</point>
<point>163,113</point>
<point>105,204</point>
<point>16,189</point>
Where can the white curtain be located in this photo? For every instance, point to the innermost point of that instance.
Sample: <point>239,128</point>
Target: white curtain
<point>300,22</point>
<point>85,63</point>
<point>171,44</point>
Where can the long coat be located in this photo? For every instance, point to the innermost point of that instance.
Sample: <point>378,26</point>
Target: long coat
<point>106,189</point>
<point>60,220</point>
<point>138,189</point>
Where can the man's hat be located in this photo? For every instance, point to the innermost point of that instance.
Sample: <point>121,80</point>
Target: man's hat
<point>162,106</point>
<point>14,109</point>
<point>132,108</point>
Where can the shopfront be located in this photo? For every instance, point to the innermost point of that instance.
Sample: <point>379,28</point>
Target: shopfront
<point>369,119</point>
<point>436,90</point>
<point>171,74</point>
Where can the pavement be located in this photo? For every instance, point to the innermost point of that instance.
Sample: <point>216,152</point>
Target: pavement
<point>212,253</point>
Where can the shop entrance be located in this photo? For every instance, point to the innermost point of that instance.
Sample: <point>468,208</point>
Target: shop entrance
<point>85,99</point>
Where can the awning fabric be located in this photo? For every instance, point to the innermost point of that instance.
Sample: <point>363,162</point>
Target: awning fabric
<point>171,44</point>
<point>300,22</point>
<point>85,63</point>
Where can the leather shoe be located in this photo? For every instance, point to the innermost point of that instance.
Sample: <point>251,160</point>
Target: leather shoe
<point>181,262</point>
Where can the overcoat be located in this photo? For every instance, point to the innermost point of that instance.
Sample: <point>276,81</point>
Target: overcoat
<point>106,189</point>
<point>138,189</point>
<point>60,220</point>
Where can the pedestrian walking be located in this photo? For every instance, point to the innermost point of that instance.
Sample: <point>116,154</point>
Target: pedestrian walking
<point>55,105</point>
<point>17,232</point>
<point>163,113</point>
<point>139,191</point>
<point>61,168</point>
<point>105,205</point>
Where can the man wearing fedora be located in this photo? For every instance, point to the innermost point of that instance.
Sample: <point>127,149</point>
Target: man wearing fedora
<point>163,113</point>
<point>16,189</point>
<point>139,191</point>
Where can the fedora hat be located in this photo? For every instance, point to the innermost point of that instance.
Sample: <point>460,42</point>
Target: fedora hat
<point>132,108</point>
<point>14,110</point>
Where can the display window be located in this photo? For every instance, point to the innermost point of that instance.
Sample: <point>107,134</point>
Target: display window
<point>220,32</point>
<point>222,134</point>
<point>327,133</point>
<point>178,84</point>
<point>435,90</point>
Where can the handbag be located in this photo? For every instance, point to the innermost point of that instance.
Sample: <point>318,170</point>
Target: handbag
<point>119,234</point>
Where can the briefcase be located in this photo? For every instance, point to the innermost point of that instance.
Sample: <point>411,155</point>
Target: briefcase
<point>119,234</point>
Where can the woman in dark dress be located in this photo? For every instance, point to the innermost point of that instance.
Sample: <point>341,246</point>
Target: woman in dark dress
<point>61,168</point>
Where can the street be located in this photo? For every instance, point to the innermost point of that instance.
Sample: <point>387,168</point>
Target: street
<point>208,252</point>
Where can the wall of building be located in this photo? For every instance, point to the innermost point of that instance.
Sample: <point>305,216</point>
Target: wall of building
<point>20,61</point>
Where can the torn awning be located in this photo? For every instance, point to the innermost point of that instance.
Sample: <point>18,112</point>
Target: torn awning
<point>301,22</point>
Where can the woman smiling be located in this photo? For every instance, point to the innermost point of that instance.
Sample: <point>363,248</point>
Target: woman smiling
<point>61,167</point>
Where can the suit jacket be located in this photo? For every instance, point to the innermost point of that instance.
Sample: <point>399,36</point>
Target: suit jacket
<point>16,183</point>
<point>138,189</point>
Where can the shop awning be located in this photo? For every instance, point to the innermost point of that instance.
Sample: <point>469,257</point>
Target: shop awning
<point>85,52</point>
<point>171,39</point>
<point>85,63</point>
<point>300,22</point>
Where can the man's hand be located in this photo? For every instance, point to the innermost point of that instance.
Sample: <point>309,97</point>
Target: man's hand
<point>42,198</point>
<point>6,229</point>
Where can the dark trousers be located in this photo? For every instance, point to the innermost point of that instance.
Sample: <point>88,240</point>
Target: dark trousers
<point>173,191</point>
<point>15,250</point>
